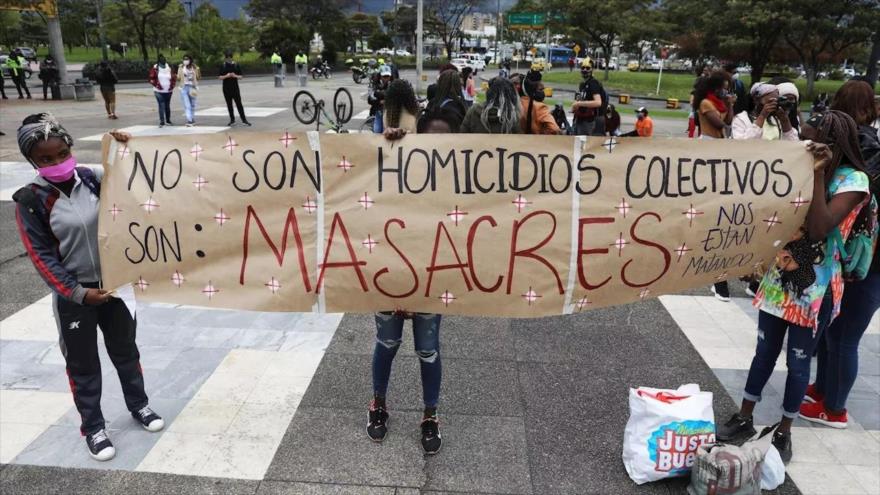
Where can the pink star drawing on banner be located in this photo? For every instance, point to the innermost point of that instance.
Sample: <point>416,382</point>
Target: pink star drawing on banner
<point>221,217</point>
<point>196,151</point>
<point>286,139</point>
<point>123,152</point>
<point>230,145</point>
<point>447,298</point>
<point>142,284</point>
<point>370,243</point>
<point>310,205</point>
<point>773,220</point>
<point>366,202</point>
<point>582,303</point>
<point>682,250</point>
<point>722,276</point>
<point>691,213</point>
<point>644,293</point>
<point>799,201</point>
<point>150,205</point>
<point>115,211</point>
<point>623,207</point>
<point>273,285</point>
<point>177,278</point>
<point>456,215</point>
<point>620,243</point>
<point>200,182</point>
<point>531,296</point>
<point>210,290</point>
<point>520,203</point>
<point>345,165</point>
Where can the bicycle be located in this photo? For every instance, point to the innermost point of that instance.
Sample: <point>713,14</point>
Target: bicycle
<point>307,110</point>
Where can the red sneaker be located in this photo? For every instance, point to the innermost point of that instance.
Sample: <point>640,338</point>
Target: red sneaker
<point>817,413</point>
<point>813,395</point>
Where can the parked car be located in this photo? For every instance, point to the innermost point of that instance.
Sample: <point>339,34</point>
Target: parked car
<point>849,72</point>
<point>385,51</point>
<point>461,63</point>
<point>632,65</point>
<point>477,61</point>
<point>7,72</point>
<point>28,53</point>
<point>402,53</point>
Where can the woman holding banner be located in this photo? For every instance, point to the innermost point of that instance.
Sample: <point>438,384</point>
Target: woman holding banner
<point>426,327</point>
<point>57,216</point>
<point>801,293</point>
<point>837,356</point>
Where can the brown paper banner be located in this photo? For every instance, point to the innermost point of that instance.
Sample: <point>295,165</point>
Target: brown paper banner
<point>513,226</point>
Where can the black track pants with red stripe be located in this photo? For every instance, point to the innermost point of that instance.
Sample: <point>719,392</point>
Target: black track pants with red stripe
<point>77,327</point>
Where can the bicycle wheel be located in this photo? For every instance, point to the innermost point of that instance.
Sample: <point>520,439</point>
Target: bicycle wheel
<point>367,126</point>
<point>343,105</point>
<point>305,108</point>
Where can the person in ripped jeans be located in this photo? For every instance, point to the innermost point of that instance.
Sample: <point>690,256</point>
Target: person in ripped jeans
<point>57,219</point>
<point>426,326</point>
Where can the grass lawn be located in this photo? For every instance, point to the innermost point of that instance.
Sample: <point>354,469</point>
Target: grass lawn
<point>81,54</point>
<point>671,85</point>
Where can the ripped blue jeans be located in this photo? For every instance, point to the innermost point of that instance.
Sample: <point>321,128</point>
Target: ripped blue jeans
<point>801,344</point>
<point>426,333</point>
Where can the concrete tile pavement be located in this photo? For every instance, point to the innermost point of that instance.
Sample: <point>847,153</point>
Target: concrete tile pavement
<point>826,461</point>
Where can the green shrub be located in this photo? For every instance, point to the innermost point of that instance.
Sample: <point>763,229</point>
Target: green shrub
<point>836,75</point>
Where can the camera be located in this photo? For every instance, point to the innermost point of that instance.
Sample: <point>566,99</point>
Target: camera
<point>786,103</point>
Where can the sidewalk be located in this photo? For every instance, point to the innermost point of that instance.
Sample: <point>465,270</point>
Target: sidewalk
<point>527,406</point>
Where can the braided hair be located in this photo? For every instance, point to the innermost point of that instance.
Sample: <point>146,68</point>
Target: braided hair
<point>529,87</point>
<point>40,127</point>
<point>399,97</point>
<point>501,99</point>
<point>839,130</point>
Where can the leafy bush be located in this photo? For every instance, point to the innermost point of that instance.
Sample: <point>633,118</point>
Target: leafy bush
<point>124,69</point>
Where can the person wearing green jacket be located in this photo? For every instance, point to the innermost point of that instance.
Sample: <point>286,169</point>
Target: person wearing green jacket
<point>302,63</point>
<point>16,63</point>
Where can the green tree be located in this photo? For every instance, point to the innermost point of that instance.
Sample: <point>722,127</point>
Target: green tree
<point>754,31</point>
<point>602,21</point>
<point>78,23</point>
<point>207,35</point>
<point>165,27</point>
<point>444,19</point>
<point>285,36</point>
<point>380,40</point>
<point>323,16</point>
<point>401,23</point>
<point>362,27</point>
<point>139,14</point>
<point>10,28</point>
<point>694,33</point>
<point>826,28</point>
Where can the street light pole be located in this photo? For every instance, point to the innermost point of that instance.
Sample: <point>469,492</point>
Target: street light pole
<point>420,20</point>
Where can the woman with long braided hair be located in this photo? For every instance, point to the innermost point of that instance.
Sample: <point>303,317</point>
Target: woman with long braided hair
<point>837,357</point>
<point>499,115</point>
<point>801,293</point>
<point>57,216</point>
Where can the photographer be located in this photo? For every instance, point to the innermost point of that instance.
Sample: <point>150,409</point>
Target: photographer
<point>767,117</point>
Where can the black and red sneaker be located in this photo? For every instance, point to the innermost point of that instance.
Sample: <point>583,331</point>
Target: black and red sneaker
<point>377,422</point>
<point>817,413</point>
<point>431,440</point>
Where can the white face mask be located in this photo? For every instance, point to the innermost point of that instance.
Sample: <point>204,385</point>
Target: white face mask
<point>186,62</point>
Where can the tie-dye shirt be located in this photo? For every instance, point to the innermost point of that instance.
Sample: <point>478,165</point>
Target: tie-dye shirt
<point>803,310</point>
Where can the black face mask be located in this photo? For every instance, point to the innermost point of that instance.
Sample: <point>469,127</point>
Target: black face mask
<point>538,96</point>
<point>162,62</point>
<point>587,74</point>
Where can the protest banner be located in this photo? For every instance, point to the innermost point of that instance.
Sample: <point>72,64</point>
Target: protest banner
<point>513,226</point>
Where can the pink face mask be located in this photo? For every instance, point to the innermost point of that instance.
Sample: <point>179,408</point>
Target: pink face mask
<point>60,172</point>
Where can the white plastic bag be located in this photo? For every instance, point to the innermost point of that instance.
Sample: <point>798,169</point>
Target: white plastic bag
<point>773,470</point>
<point>664,430</point>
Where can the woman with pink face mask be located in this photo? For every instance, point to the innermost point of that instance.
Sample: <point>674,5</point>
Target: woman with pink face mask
<point>57,217</point>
